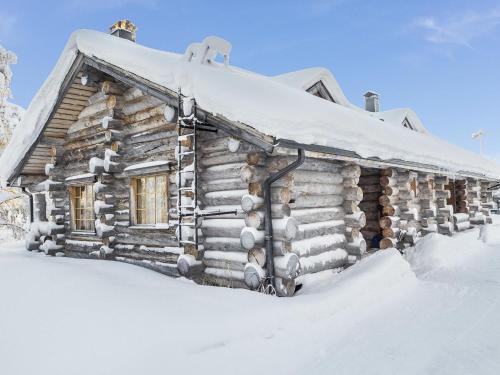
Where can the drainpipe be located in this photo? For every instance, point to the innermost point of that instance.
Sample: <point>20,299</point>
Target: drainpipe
<point>267,213</point>
<point>30,196</point>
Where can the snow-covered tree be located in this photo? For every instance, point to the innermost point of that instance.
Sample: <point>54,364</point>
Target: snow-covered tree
<point>10,114</point>
<point>13,204</point>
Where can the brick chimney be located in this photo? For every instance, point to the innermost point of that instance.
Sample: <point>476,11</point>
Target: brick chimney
<point>124,29</point>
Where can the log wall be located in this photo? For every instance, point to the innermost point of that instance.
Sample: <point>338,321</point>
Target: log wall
<point>369,182</point>
<point>323,213</point>
<point>316,219</point>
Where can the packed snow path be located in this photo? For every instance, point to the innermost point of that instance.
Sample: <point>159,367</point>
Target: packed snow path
<point>439,313</point>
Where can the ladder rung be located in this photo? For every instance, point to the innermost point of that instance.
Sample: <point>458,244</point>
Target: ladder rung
<point>186,207</point>
<point>185,153</point>
<point>187,224</point>
<point>186,188</point>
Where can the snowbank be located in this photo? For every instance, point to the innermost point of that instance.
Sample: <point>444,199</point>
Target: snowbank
<point>377,317</point>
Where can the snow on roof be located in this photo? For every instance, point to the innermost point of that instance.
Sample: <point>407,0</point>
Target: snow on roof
<point>306,78</point>
<point>397,117</point>
<point>269,106</point>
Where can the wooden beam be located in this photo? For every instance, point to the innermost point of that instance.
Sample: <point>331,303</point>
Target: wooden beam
<point>68,80</point>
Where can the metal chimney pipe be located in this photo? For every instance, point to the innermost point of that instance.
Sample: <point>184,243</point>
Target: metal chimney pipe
<point>372,102</point>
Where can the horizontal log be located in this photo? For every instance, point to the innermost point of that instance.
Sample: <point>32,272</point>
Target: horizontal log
<point>255,219</point>
<point>283,229</point>
<point>230,197</point>
<point>318,245</point>
<point>222,227</point>
<point>328,260</point>
<point>287,266</point>
<point>389,222</point>
<point>356,247</point>
<point>305,176</point>
<point>386,200</point>
<point>253,174</point>
<point>141,104</point>
<point>355,220</point>
<point>387,243</point>
<point>320,229</point>
<point>299,189</point>
<point>225,260</point>
<point>317,201</point>
<point>253,275</point>
<point>351,171</point>
<point>311,215</point>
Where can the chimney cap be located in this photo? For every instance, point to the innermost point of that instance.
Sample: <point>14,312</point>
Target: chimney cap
<point>369,94</point>
<point>124,29</point>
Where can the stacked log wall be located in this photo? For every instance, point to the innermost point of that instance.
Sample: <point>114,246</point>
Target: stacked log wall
<point>355,218</point>
<point>407,207</point>
<point>118,128</point>
<point>427,202</point>
<point>390,220</point>
<point>488,205</point>
<point>309,218</point>
<point>86,139</point>
<point>369,182</point>
<point>221,186</point>
<point>474,202</point>
<point>461,216</point>
<point>149,135</point>
<point>445,210</point>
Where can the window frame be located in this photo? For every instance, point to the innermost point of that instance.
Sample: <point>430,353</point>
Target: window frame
<point>88,207</point>
<point>133,194</point>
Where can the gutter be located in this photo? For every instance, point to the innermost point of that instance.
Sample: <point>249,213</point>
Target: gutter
<point>267,212</point>
<point>427,168</point>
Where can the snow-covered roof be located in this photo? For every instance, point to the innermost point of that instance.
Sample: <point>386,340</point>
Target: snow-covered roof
<point>306,78</point>
<point>399,115</point>
<point>266,104</point>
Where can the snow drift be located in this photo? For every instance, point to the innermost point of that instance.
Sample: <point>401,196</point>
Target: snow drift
<point>435,313</point>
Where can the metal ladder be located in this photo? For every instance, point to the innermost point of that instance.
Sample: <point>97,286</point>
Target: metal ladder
<point>188,124</point>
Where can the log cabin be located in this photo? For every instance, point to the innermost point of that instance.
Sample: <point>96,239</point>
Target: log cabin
<point>187,165</point>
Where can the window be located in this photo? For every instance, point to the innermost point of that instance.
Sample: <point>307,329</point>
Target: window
<point>82,208</point>
<point>407,124</point>
<point>150,200</point>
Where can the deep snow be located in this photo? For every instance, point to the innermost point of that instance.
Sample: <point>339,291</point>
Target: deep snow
<point>438,312</point>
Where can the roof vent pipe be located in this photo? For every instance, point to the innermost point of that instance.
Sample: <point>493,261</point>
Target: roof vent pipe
<point>372,101</point>
<point>124,29</point>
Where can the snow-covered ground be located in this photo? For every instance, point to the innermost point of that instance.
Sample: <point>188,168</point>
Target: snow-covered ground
<point>438,312</point>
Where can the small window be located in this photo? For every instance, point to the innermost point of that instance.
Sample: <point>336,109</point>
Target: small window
<point>407,124</point>
<point>82,208</point>
<point>150,200</point>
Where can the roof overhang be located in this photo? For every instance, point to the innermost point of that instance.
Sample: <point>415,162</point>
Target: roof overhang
<point>347,155</point>
<point>238,129</point>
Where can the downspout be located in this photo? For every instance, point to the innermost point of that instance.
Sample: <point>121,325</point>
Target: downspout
<point>267,213</point>
<point>30,196</point>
